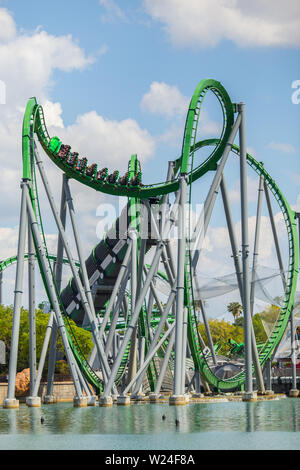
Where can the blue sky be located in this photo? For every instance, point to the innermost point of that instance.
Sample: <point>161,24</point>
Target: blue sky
<point>93,63</point>
<point>132,50</point>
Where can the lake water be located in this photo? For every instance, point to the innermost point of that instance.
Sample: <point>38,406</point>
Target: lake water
<point>271,425</point>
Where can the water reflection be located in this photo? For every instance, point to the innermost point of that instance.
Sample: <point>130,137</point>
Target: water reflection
<point>282,415</point>
<point>250,417</point>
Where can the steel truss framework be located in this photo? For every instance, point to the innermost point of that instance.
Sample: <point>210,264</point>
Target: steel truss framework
<point>137,336</point>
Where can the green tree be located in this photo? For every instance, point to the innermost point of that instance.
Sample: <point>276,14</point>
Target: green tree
<point>259,331</point>
<point>221,332</point>
<point>84,338</point>
<point>235,308</point>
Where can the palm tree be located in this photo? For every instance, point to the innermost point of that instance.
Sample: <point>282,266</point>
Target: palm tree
<point>235,308</point>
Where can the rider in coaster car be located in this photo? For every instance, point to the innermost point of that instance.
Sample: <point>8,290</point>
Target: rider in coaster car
<point>63,151</point>
<point>102,174</point>
<point>81,163</point>
<point>113,177</point>
<point>124,179</point>
<point>136,181</point>
<point>73,158</point>
<point>90,171</point>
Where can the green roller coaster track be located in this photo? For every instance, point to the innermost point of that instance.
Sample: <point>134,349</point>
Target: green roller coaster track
<point>34,123</point>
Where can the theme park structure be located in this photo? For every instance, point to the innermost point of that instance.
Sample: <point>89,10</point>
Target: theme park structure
<point>139,336</point>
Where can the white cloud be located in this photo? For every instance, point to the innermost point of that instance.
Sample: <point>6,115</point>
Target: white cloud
<point>53,111</point>
<point>252,187</point>
<point>282,147</point>
<point>106,142</point>
<point>7,25</point>
<point>206,23</point>
<point>112,11</point>
<point>167,100</point>
<point>164,99</point>
<point>28,61</point>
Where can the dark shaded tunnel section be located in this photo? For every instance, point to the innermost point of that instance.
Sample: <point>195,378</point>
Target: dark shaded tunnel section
<point>103,264</point>
<point>102,267</point>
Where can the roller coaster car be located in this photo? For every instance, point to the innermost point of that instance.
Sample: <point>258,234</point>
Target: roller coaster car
<point>81,164</point>
<point>73,159</point>
<point>102,174</point>
<point>236,347</point>
<point>136,181</point>
<point>124,179</point>
<point>64,151</point>
<point>112,178</point>
<point>91,170</point>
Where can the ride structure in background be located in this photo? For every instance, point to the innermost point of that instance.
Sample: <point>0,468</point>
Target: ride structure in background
<point>137,290</point>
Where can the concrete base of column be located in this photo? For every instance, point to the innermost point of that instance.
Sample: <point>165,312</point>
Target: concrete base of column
<point>33,402</point>
<point>10,403</point>
<point>138,397</point>
<point>293,393</point>
<point>198,395</point>
<point>121,400</point>
<point>80,402</point>
<point>49,400</point>
<point>154,398</point>
<point>91,400</point>
<point>106,401</point>
<point>249,396</point>
<point>177,400</point>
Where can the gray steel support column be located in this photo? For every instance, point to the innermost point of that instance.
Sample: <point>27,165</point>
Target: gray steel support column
<point>116,288</point>
<point>293,351</point>
<point>115,346</point>
<point>293,332</point>
<point>164,204</point>
<point>142,339</point>
<point>200,229</point>
<point>184,346</point>
<point>268,371</point>
<point>115,316</point>
<point>147,361</point>
<point>31,299</point>
<point>274,231</point>
<point>197,382</point>
<point>86,283</point>
<point>158,330</point>
<point>232,237</point>
<point>170,258</point>
<point>165,363</point>
<point>43,355</point>
<point>17,297</point>
<point>245,252</point>
<point>179,359</point>
<point>132,367</point>
<point>149,311</point>
<point>206,325</point>
<point>58,276</point>
<point>256,241</point>
<point>238,270</point>
<point>83,382</point>
<point>133,320</point>
<point>84,300</point>
<point>53,298</point>
<point>167,266</point>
